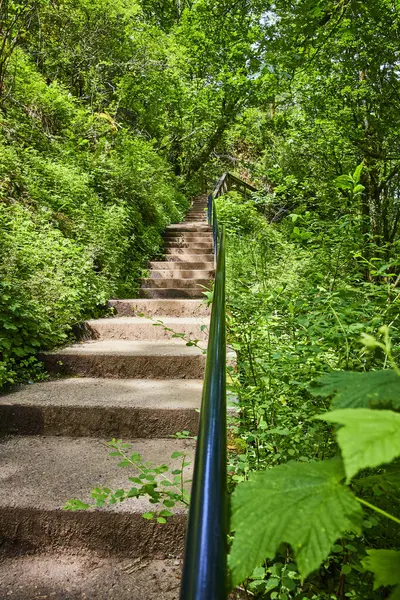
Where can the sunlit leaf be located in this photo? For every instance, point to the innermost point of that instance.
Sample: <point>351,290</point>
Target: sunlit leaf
<point>303,504</point>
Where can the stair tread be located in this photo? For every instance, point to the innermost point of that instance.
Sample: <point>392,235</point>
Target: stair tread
<point>119,393</point>
<point>62,575</point>
<point>143,328</point>
<point>128,348</point>
<point>44,472</point>
<point>168,321</point>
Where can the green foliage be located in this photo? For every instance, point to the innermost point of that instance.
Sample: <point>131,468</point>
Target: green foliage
<point>161,485</point>
<point>81,210</point>
<point>368,438</point>
<point>326,510</point>
<point>385,565</point>
<point>297,308</point>
<point>373,389</point>
<point>311,518</point>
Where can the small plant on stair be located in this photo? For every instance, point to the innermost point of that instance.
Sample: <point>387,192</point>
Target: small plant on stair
<point>158,483</point>
<point>178,335</point>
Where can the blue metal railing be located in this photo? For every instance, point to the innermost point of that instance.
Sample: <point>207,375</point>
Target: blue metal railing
<point>205,565</point>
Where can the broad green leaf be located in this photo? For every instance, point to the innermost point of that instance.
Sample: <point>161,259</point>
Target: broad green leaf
<point>368,438</point>
<point>360,390</point>
<point>302,504</point>
<point>385,565</point>
<point>387,479</point>
<point>345,182</point>
<point>357,172</point>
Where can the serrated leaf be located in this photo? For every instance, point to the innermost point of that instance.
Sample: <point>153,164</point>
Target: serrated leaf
<point>387,479</point>
<point>360,390</point>
<point>385,565</point>
<point>302,504</point>
<point>368,438</point>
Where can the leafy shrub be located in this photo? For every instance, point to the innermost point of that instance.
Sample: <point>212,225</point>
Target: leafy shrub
<point>82,207</point>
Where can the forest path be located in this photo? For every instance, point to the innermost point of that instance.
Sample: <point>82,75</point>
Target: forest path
<point>133,380</point>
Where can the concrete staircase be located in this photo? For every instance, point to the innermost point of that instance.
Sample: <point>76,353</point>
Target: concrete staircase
<point>132,379</point>
<point>189,262</point>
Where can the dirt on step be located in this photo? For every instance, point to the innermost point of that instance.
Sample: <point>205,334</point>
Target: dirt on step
<point>88,577</point>
<point>66,576</point>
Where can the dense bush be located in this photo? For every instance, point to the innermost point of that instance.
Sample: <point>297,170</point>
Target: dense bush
<point>298,303</point>
<point>82,206</point>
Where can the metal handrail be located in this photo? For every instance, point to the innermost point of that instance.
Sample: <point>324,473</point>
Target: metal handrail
<point>205,565</point>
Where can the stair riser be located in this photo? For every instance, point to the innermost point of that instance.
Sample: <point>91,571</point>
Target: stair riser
<point>142,331</point>
<point>188,227</point>
<point>188,234</point>
<point>189,258</point>
<point>192,251</point>
<point>176,267</point>
<point>125,366</point>
<point>175,283</point>
<point>169,308</point>
<point>206,238</point>
<point>116,533</point>
<point>172,293</point>
<point>182,274</point>
<point>99,421</point>
<point>192,245</point>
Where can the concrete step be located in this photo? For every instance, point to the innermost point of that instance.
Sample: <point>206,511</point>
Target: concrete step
<point>167,273</point>
<point>39,474</point>
<point>184,237</point>
<point>161,308</point>
<point>188,227</point>
<point>63,575</point>
<point>189,244</point>
<point>142,328</point>
<point>172,266</point>
<point>149,282</point>
<point>189,258</point>
<point>188,234</point>
<point>87,407</point>
<point>190,219</point>
<point>190,250</point>
<point>172,293</point>
<point>170,359</point>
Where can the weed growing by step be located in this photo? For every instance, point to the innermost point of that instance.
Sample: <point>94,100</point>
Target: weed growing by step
<point>159,484</point>
<point>194,342</point>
